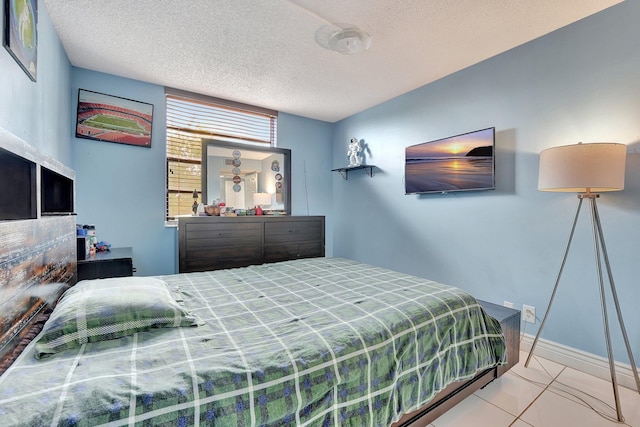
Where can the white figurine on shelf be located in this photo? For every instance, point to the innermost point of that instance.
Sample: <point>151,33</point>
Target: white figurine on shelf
<point>354,152</point>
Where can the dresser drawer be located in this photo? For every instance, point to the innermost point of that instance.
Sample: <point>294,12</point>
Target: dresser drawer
<point>213,246</point>
<point>103,270</point>
<point>293,231</point>
<point>288,251</point>
<point>230,257</point>
<point>219,235</point>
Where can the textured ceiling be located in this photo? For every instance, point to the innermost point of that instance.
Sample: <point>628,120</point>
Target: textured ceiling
<point>263,52</point>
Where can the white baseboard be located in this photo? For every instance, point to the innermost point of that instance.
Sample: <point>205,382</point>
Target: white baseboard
<point>579,360</point>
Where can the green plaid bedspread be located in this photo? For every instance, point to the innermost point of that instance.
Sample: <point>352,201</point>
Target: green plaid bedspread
<point>316,342</point>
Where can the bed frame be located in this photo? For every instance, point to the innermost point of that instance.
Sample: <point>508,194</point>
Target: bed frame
<point>453,394</point>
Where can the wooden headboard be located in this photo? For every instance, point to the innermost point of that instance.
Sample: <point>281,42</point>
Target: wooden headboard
<point>37,254</point>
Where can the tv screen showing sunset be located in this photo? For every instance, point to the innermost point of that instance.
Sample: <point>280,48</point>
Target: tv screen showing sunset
<point>458,163</point>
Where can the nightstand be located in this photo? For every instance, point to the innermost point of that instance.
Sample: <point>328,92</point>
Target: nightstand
<point>116,262</point>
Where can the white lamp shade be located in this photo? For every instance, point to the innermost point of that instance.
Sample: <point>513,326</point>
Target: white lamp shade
<point>581,168</point>
<point>261,199</point>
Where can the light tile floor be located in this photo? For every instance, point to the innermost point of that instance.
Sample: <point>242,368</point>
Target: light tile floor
<point>545,394</point>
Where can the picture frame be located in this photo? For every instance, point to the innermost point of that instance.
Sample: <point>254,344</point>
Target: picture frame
<point>20,36</point>
<point>109,118</point>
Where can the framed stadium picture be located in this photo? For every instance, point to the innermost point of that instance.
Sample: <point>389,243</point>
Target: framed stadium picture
<point>20,36</point>
<point>113,119</point>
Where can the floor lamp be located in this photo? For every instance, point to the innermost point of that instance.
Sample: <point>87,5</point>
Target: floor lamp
<point>588,169</point>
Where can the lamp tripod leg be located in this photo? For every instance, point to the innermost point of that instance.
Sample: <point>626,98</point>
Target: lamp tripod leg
<point>615,297</point>
<point>595,219</point>
<point>555,287</point>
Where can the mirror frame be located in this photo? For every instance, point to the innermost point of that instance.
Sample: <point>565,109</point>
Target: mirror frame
<point>286,172</point>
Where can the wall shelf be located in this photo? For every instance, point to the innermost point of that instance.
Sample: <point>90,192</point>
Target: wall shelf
<point>39,185</point>
<point>18,196</point>
<point>344,172</point>
<point>56,193</point>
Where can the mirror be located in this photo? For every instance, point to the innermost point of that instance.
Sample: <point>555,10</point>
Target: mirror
<point>246,175</point>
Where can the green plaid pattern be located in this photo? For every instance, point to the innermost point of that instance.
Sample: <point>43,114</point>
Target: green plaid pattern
<point>315,342</point>
<point>106,309</point>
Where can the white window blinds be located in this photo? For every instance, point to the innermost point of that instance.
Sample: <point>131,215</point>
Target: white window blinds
<point>192,118</point>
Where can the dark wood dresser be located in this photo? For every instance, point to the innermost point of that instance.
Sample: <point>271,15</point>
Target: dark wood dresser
<point>214,243</point>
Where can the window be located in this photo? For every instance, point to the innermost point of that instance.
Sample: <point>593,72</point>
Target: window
<point>191,118</point>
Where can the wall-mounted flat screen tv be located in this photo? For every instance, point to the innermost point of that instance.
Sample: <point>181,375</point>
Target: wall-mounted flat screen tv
<point>463,162</point>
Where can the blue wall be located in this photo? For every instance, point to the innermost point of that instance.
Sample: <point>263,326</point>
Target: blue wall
<point>311,176</point>
<point>577,84</point>
<point>121,188</point>
<point>38,112</point>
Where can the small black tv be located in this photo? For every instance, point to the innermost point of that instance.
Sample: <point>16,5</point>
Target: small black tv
<point>462,162</point>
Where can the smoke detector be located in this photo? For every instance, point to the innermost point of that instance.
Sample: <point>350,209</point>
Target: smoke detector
<point>345,39</point>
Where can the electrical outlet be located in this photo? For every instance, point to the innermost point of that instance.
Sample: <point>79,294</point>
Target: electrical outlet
<point>508,304</point>
<point>529,313</point>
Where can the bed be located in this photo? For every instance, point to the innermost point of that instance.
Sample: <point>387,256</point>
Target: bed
<point>321,341</point>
